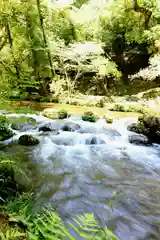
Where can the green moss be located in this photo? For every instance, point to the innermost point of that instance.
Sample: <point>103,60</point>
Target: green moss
<point>100,104</point>
<point>152,94</point>
<point>28,140</point>
<point>5,132</point>
<point>3,119</point>
<point>89,117</point>
<point>62,114</point>
<point>24,110</point>
<point>22,120</point>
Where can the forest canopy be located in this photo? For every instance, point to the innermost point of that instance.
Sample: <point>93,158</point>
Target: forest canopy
<point>93,47</point>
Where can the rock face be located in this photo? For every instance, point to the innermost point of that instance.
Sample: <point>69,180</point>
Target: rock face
<point>89,117</point>
<point>149,126</point>
<point>28,140</point>
<point>139,140</point>
<point>70,127</point>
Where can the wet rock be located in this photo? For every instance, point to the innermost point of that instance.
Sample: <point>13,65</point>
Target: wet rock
<point>94,140</point>
<point>139,140</point>
<point>108,119</point>
<point>70,127</point>
<point>50,113</point>
<point>28,140</point>
<point>62,114</point>
<point>45,129</point>
<point>90,117</point>
<point>149,126</point>
<point>22,124</point>
<point>54,114</point>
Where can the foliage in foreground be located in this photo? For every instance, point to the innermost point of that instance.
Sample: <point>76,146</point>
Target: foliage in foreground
<point>48,225</point>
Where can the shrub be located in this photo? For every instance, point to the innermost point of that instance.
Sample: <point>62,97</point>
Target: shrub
<point>8,187</point>
<point>54,99</point>
<point>100,104</point>
<point>118,108</point>
<point>44,99</point>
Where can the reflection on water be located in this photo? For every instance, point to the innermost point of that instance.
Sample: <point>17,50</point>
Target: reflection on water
<point>75,176</point>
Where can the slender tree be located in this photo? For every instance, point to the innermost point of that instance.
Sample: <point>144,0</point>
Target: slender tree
<point>44,37</point>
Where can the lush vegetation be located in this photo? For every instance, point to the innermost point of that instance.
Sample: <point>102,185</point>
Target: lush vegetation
<point>18,219</point>
<point>51,51</point>
<point>63,48</point>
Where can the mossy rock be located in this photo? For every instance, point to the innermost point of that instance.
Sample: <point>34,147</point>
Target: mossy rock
<point>28,140</point>
<point>108,119</point>
<point>149,126</point>
<point>22,123</point>
<point>90,117</point>
<point>5,132</point>
<point>50,113</point>
<point>49,99</point>
<point>100,104</point>
<point>62,114</point>
<point>22,120</point>
<point>119,108</point>
<point>152,94</point>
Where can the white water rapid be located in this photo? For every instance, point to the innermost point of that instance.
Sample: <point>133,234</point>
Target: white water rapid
<point>80,172</point>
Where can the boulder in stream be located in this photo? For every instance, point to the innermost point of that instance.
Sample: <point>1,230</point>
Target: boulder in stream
<point>108,119</point>
<point>54,114</point>
<point>28,140</point>
<point>22,123</point>
<point>139,140</point>
<point>94,140</point>
<point>149,126</point>
<point>90,117</point>
<point>70,127</point>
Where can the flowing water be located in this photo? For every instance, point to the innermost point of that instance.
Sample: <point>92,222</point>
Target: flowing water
<point>81,171</point>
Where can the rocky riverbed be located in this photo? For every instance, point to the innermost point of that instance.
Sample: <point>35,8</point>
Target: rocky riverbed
<point>78,166</point>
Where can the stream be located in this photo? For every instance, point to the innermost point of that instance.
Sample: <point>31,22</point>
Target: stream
<point>82,171</point>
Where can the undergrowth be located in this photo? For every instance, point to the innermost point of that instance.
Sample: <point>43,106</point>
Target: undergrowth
<point>23,223</point>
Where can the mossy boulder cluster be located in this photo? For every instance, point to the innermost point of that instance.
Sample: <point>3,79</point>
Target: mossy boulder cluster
<point>22,123</point>
<point>90,117</point>
<point>28,140</point>
<point>5,132</point>
<point>54,114</point>
<point>149,126</point>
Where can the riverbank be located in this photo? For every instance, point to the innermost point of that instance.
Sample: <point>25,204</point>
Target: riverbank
<point>31,107</point>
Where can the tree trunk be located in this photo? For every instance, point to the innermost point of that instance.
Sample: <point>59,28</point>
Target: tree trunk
<point>44,37</point>
<point>9,35</point>
<point>34,53</point>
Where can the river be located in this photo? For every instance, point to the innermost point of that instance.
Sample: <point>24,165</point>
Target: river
<point>82,171</point>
